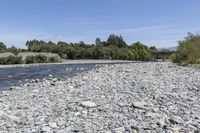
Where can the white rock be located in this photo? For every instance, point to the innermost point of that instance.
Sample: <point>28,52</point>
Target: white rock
<point>53,125</point>
<point>46,129</point>
<point>88,104</point>
<point>140,105</point>
<point>119,130</point>
<point>1,113</point>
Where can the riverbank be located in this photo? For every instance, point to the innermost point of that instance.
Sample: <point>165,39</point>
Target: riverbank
<point>73,62</point>
<point>136,97</point>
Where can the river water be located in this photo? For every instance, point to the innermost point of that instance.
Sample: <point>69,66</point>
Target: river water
<point>17,75</point>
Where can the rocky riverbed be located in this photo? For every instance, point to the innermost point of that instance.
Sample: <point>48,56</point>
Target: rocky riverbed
<point>119,98</point>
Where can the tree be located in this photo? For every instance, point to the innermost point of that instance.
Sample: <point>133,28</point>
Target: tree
<point>188,51</point>
<point>116,41</point>
<point>2,47</point>
<point>140,51</point>
<point>35,45</point>
<point>153,50</point>
<point>13,50</point>
<point>98,41</point>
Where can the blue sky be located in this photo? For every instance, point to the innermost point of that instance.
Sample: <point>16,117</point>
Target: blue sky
<point>154,22</point>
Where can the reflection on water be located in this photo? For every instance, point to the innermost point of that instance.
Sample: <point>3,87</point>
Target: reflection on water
<point>19,75</point>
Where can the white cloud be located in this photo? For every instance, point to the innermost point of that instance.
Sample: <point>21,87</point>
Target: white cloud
<point>137,29</point>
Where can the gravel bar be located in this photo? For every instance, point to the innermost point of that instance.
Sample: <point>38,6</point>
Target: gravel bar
<point>158,97</point>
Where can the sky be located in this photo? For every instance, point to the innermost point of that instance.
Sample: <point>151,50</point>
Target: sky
<point>160,23</point>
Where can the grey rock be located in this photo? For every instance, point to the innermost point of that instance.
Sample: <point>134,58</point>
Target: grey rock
<point>139,105</point>
<point>78,129</point>
<point>138,97</point>
<point>119,130</point>
<point>53,125</point>
<point>176,120</point>
<point>46,129</point>
<point>61,122</point>
<point>1,113</point>
<point>88,104</point>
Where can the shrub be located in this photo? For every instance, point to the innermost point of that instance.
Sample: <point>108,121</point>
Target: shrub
<point>10,60</point>
<point>188,51</point>
<point>36,59</point>
<point>53,59</point>
<point>3,61</point>
<point>40,59</point>
<point>30,59</point>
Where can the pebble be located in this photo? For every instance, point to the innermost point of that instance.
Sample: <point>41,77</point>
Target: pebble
<point>53,125</point>
<point>139,105</point>
<point>88,104</point>
<point>1,113</point>
<point>119,130</point>
<point>114,98</point>
<point>46,129</point>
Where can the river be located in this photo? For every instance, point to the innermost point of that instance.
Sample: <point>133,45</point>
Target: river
<point>13,76</point>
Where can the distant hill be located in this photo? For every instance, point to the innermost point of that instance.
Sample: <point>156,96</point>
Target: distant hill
<point>172,48</point>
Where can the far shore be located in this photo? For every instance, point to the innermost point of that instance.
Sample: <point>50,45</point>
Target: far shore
<point>89,61</point>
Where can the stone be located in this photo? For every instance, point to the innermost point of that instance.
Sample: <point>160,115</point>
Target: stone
<point>61,122</point>
<point>119,130</point>
<point>78,129</point>
<point>70,87</point>
<point>77,114</point>
<point>46,129</point>
<point>53,125</point>
<point>33,131</point>
<point>20,114</point>
<point>134,131</point>
<point>139,105</point>
<point>175,130</point>
<point>140,97</point>
<point>155,110</point>
<point>37,81</point>
<point>61,131</point>
<point>16,88</point>
<point>11,129</point>
<point>176,120</point>
<point>12,117</point>
<point>152,115</point>
<point>1,113</point>
<point>88,104</point>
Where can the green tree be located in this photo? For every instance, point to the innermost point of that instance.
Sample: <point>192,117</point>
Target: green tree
<point>152,51</point>
<point>188,51</point>
<point>140,51</point>
<point>13,50</point>
<point>2,47</point>
<point>98,41</point>
<point>116,41</point>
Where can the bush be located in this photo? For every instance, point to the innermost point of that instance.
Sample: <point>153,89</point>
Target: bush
<point>40,59</point>
<point>30,59</point>
<point>10,60</point>
<point>3,61</point>
<point>53,59</point>
<point>188,51</point>
<point>36,59</point>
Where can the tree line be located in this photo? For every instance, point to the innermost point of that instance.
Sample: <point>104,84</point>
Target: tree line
<point>114,48</point>
<point>188,50</point>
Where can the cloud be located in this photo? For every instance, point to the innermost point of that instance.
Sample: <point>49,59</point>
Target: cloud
<point>137,29</point>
